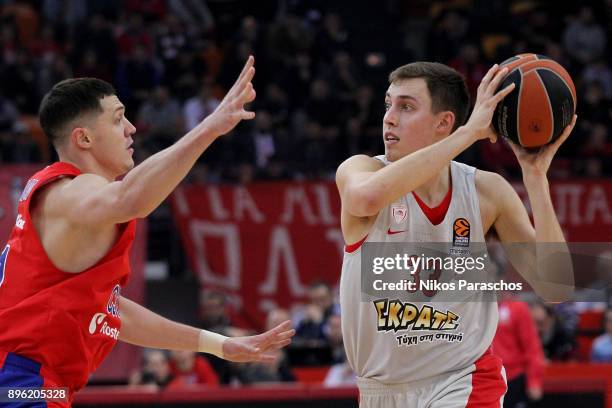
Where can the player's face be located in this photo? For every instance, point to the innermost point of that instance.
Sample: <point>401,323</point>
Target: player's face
<point>408,124</point>
<point>112,134</point>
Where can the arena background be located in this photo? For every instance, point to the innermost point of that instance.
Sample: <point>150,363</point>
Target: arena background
<point>257,223</point>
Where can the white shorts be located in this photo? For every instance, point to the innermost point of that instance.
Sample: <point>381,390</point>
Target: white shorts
<point>482,385</point>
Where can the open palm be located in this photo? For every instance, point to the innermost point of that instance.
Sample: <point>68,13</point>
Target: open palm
<point>258,347</point>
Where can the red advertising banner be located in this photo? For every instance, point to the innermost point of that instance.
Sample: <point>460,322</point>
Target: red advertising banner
<point>264,243</point>
<point>124,357</point>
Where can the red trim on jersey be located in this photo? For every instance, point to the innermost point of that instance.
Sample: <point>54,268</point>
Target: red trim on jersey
<point>353,247</point>
<point>488,384</point>
<point>436,214</point>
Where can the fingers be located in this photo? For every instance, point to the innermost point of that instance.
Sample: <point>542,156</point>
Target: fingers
<point>247,95</point>
<point>283,327</point>
<point>503,93</point>
<point>516,149</point>
<point>490,73</point>
<point>247,66</point>
<point>267,358</point>
<point>247,115</point>
<point>499,76</point>
<point>280,344</point>
<point>566,133</point>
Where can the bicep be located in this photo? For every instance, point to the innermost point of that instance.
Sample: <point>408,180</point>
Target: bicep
<point>91,200</point>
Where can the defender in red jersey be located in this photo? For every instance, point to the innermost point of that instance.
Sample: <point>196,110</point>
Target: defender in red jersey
<point>62,270</point>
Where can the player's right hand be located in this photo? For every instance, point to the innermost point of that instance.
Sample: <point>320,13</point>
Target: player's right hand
<point>231,109</point>
<point>479,123</point>
<point>260,347</point>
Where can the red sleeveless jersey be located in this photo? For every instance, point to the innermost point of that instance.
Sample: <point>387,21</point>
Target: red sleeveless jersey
<point>67,322</point>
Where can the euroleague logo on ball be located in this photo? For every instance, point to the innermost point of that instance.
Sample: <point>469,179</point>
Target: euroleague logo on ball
<point>461,232</point>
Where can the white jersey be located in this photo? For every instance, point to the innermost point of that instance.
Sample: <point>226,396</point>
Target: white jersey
<point>468,327</point>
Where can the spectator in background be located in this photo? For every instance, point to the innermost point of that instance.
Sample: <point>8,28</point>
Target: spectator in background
<point>214,316</point>
<point>9,116</point>
<point>339,374</point>
<point>195,14</point>
<point>156,370</point>
<point>172,40</point>
<point>199,107</point>
<point>599,71</point>
<point>279,370</point>
<point>188,369</point>
<point>602,346</point>
<point>584,39</point>
<point>517,343</point>
<point>469,64</point>
<point>557,343</point>
<point>160,118</point>
<point>310,329</point>
<point>134,33</point>
<point>137,77</point>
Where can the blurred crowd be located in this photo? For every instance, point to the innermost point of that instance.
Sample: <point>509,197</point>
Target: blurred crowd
<point>321,72</point>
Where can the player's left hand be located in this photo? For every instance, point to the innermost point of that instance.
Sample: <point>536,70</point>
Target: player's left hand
<point>260,347</point>
<point>538,163</point>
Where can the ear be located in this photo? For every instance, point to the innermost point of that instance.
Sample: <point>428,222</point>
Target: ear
<point>446,121</point>
<point>81,138</point>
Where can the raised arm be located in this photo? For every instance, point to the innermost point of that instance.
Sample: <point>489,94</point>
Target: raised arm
<point>90,199</point>
<point>539,254</point>
<point>142,327</point>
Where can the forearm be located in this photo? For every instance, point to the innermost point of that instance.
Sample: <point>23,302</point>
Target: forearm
<point>411,171</point>
<point>547,226</point>
<point>142,327</point>
<point>149,183</point>
<point>553,259</point>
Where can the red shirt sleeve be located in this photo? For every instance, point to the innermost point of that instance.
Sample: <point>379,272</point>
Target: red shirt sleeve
<point>206,374</point>
<point>530,344</point>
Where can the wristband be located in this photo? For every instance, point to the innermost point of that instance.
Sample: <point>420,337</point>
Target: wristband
<point>212,343</point>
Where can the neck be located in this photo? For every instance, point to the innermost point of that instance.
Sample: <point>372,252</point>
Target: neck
<point>86,164</point>
<point>433,190</point>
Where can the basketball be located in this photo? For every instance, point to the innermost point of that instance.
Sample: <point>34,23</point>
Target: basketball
<point>541,105</point>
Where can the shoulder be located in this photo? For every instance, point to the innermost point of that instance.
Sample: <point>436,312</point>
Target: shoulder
<point>492,186</point>
<point>67,191</point>
<point>81,184</point>
<point>359,163</point>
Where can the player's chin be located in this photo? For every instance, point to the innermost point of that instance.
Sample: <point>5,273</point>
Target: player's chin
<point>392,154</point>
<point>128,165</point>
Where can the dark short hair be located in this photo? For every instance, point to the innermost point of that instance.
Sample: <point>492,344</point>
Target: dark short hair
<point>68,100</point>
<point>446,87</point>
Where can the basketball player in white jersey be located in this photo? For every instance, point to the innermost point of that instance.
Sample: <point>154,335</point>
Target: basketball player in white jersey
<point>416,192</point>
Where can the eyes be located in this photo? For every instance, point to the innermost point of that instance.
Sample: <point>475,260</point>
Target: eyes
<point>403,107</point>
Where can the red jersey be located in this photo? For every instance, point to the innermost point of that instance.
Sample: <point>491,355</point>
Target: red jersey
<point>67,322</point>
<point>518,344</point>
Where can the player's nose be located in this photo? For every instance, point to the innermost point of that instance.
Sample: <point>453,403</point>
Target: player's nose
<point>390,118</point>
<point>130,129</point>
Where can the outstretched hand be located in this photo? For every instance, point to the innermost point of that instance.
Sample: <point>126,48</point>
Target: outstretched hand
<point>537,163</point>
<point>259,347</point>
<point>486,103</point>
<point>231,109</point>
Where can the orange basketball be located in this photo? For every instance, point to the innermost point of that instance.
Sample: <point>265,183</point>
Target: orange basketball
<point>541,105</point>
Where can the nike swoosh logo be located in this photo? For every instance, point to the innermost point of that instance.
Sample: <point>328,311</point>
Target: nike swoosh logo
<point>394,232</point>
